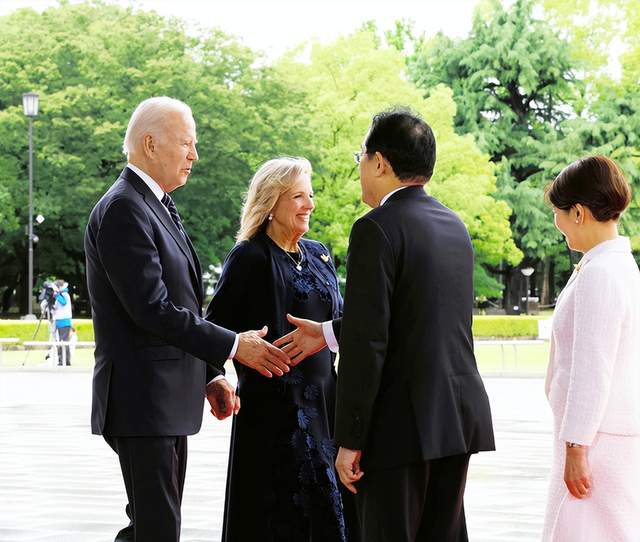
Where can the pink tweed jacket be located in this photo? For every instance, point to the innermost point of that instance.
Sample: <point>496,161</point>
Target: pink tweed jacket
<point>593,377</point>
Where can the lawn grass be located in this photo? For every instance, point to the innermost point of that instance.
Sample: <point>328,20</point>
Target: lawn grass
<point>512,358</point>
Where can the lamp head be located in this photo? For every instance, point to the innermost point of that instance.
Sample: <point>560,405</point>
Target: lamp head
<point>30,104</point>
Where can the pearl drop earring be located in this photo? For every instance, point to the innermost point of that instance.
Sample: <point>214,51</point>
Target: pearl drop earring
<point>270,217</point>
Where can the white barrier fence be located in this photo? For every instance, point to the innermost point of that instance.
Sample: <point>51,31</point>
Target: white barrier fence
<point>6,340</point>
<point>60,344</point>
<point>504,347</point>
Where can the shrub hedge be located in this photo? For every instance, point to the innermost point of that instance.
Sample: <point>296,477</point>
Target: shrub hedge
<point>503,327</point>
<point>483,326</point>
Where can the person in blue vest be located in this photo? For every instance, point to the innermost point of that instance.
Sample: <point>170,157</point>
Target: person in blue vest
<point>62,314</point>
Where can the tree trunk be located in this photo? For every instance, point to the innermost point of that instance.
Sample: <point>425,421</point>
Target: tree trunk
<point>545,288</point>
<point>513,291</point>
<point>552,281</point>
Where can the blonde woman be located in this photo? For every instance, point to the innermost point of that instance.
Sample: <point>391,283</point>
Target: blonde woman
<point>593,379</point>
<point>281,483</point>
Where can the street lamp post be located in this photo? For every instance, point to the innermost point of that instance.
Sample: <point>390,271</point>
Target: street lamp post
<point>527,272</point>
<point>30,105</point>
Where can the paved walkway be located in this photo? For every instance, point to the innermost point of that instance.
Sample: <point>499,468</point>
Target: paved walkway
<point>58,483</point>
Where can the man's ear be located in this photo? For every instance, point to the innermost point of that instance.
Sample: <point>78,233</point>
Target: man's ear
<point>382,165</point>
<point>148,145</point>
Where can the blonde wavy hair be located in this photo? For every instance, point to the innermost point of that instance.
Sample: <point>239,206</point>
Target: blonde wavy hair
<point>272,179</point>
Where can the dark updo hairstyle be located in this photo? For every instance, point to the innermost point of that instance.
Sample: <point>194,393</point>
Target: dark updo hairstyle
<point>595,182</point>
<point>406,141</point>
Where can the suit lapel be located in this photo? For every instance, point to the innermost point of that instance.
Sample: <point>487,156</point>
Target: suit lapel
<point>163,215</point>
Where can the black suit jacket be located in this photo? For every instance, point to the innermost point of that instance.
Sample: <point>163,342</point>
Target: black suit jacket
<point>408,385</point>
<point>145,288</point>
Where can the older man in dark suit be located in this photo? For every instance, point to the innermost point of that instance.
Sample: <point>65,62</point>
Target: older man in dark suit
<point>154,351</point>
<point>411,406</point>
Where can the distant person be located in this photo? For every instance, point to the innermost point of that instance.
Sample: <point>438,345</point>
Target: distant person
<point>62,315</point>
<point>156,356</point>
<point>411,407</point>
<point>593,377</point>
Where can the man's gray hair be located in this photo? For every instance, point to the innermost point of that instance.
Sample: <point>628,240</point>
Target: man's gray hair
<point>150,117</point>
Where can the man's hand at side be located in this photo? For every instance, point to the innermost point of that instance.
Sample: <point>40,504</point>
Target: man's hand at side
<point>302,342</point>
<point>257,354</point>
<point>348,467</point>
<point>222,398</point>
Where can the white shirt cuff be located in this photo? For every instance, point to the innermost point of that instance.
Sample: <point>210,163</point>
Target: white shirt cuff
<point>234,348</point>
<point>329,336</point>
<point>232,354</point>
<point>219,377</point>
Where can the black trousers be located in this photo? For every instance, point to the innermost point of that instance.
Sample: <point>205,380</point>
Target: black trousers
<point>153,469</point>
<point>422,502</point>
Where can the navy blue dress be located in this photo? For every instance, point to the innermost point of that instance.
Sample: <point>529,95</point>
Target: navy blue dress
<point>281,481</point>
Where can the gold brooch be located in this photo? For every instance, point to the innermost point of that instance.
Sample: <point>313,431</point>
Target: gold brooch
<point>325,258</point>
<point>577,267</point>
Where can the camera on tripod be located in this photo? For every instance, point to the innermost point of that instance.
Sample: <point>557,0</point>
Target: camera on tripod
<point>47,298</point>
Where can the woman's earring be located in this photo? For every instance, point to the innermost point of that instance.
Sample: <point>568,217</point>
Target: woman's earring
<point>270,217</point>
<point>577,221</point>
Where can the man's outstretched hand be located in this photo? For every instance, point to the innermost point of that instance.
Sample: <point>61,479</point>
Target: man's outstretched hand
<point>254,352</point>
<point>304,341</point>
<point>222,398</point>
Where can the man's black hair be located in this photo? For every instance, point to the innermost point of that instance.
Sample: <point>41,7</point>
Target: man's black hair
<point>406,141</point>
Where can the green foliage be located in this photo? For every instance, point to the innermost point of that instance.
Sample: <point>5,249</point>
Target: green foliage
<point>590,27</point>
<point>610,124</point>
<point>346,82</point>
<point>92,65</point>
<point>513,83</point>
<point>517,93</point>
<point>523,95</point>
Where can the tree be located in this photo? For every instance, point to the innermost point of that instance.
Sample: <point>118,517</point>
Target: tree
<point>514,85</point>
<point>349,80</point>
<point>92,65</point>
<point>610,123</point>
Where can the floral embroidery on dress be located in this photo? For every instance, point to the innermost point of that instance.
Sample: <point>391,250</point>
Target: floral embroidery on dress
<point>305,282</point>
<point>311,392</point>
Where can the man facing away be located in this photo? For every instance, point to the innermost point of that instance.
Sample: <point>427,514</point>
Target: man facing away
<point>411,406</point>
<point>154,351</point>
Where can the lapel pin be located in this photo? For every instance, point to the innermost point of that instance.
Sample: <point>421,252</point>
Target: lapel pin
<point>325,258</point>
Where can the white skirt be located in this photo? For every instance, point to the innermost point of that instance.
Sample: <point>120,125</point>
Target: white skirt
<point>611,513</point>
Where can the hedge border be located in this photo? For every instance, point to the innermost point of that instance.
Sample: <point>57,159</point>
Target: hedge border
<point>492,326</point>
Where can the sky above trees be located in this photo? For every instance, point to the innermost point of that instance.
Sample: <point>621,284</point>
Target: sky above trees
<point>276,25</point>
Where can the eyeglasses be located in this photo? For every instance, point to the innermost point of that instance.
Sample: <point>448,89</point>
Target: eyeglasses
<point>357,156</point>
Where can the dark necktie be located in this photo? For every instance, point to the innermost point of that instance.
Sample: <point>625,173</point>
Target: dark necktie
<point>173,211</point>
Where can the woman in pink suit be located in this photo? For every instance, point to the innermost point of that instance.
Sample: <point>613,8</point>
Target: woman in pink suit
<point>593,379</point>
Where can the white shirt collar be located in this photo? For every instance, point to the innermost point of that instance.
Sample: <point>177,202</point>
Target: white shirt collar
<point>619,244</point>
<point>148,180</point>
<point>383,200</point>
